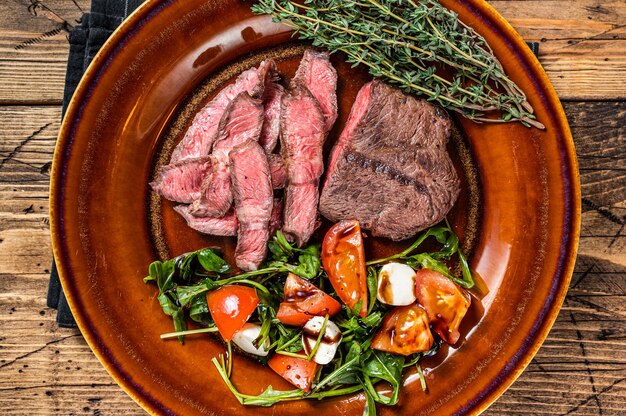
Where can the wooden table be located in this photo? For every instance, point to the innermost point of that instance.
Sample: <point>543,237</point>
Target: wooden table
<point>581,368</point>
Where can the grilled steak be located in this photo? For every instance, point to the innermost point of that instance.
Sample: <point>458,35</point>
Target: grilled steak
<point>277,171</point>
<point>242,121</point>
<point>276,219</point>
<point>271,124</point>
<point>224,226</point>
<point>182,181</point>
<point>303,130</point>
<point>253,195</point>
<point>390,169</point>
<point>318,75</point>
<point>204,129</point>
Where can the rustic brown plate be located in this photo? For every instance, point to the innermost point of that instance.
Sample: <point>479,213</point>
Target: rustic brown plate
<point>523,205</point>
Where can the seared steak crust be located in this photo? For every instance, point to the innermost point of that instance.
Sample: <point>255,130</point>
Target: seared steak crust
<point>390,169</point>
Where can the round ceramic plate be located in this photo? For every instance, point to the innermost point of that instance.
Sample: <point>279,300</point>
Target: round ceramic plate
<point>519,209</point>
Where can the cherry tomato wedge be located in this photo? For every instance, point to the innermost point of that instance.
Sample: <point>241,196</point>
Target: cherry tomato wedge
<point>303,300</point>
<point>404,331</point>
<point>343,258</point>
<point>298,371</point>
<point>230,308</point>
<point>444,301</point>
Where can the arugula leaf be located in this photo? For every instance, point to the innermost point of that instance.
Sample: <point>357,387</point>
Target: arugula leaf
<point>372,287</point>
<point>450,246</point>
<point>199,310</point>
<point>170,308</point>
<point>211,261</point>
<point>280,248</point>
<point>348,372</point>
<point>162,273</point>
<point>370,404</point>
<point>310,263</point>
<point>388,367</point>
<point>185,294</point>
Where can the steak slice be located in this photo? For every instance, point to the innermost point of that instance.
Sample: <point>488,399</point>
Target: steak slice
<point>277,171</point>
<point>390,169</point>
<point>276,219</point>
<point>242,121</point>
<point>318,75</point>
<point>203,131</point>
<point>224,226</point>
<point>302,137</point>
<point>271,124</point>
<point>252,189</point>
<point>182,181</point>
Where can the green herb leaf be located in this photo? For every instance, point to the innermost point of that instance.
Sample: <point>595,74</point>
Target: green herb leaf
<point>405,42</point>
<point>199,310</point>
<point>386,367</point>
<point>211,261</point>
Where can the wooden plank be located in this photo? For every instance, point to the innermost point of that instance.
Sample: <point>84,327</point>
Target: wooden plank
<point>580,370</point>
<point>34,48</point>
<point>583,46</point>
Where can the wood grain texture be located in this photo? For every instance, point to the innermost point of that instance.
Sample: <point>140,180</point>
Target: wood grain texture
<point>33,48</point>
<point>581,368</point>
<point>583,45</point>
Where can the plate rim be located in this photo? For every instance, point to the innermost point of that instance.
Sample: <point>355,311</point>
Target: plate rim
<point>480,9</point>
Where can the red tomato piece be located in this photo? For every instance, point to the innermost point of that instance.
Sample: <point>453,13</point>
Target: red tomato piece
<point>343,258</point>
<point>298,371</point>
<point>230,308</point>
<point>446,303</point>
<point>303,300</point>
<point>404,331</point>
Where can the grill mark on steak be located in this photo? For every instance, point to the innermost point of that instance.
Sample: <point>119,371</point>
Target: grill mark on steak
<point>389,169</point>
<point>380,167</point>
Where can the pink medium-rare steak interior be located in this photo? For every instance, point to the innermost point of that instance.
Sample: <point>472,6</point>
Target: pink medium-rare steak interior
<point>253,197</point>
<point>302,138</point>
<point>241,122</point>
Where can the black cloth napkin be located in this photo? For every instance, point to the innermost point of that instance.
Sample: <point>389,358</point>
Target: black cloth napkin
<point>86,40</point>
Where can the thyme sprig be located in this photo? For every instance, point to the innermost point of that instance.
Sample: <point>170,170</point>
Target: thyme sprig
<point>407,42</point>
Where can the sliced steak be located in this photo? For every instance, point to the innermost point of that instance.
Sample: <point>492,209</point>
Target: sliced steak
<point>277,171</point>
<point>276,219</point>
<point>303,131</point>
<point>390,169</point>
<point>318,75</point>
<point>271,124</point>
<point>253,195</point>
<point>242,121</point>
<point>182,181</point>
<point>204,129</point>
<point>224,226</point>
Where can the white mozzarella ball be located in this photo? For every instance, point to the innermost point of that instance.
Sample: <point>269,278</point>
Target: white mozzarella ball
<point>244,339</point>
<point>396,284</point>
<point>328,344</point>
